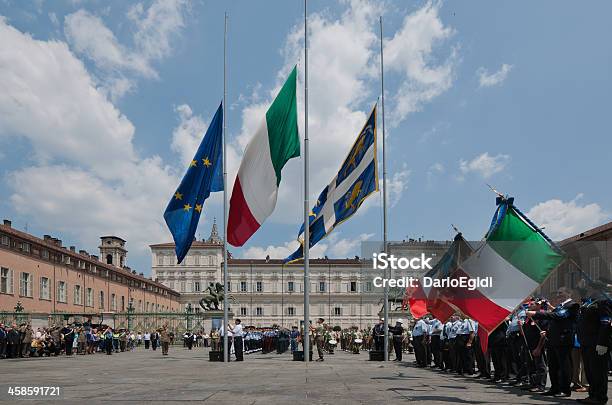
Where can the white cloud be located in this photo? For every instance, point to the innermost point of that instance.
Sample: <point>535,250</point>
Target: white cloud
<point>155,28</point>
<point>187,136</point>
<point>343,81</point>
<point>397,184</point>
<point>411,52</point>
<point>484,165</point>
<point>332,246</point>
<point>433,172</point>
<point>564,219</point>
<point>487,79</point>
<point>83,177</point>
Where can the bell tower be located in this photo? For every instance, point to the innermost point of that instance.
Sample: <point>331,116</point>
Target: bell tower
<point>112,251</point>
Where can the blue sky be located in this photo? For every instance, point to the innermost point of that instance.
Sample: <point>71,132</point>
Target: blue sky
<point>104,103</point>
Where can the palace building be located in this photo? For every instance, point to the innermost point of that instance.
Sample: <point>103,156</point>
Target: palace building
<point>266,292</point>
<point>47,278</point>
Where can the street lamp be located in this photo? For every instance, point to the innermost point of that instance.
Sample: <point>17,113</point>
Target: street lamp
<point>130,313</point>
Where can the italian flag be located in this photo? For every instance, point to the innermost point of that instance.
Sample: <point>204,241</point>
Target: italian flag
<point>256,186</point>
<point>516,256</point>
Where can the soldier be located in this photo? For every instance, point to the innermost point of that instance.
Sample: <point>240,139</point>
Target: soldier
<point>560,337</point>
<point>379,335</point>
<point>26,342</point>
<point>594,335</point>
<point>398,337</point>
<point>418,334</point>
<point>164,337</point>
<point>319,331</point>
<point>238,344</point>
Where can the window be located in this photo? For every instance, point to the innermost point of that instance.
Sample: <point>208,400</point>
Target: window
<point>89,298</point>
<point>44,288</point>
<point>61,291</point>
<point>353,286</point>
<point>45,254</point>
<point>290,286</point>
<point>77,295</point>
<point>109,259</point>
<point>243,311</point>
<point>291,311</point>
<point>197,287</point>
<point>6,281</point>
<point>229,286</point>
<point>25,285</point>
<point>368,286</point>
<point>338,311</point>
<point>122,303</point>
<point>259,311</point>
<point>243,286</point>
<point>196,260</point>
<point>101,300</point>
<point>182,286</point>
<point>160,260</point>
<point>321,286</point>
<point>113,302</point>
<point>5,240</point>
<point>25,247</point>
<point>259,286</point>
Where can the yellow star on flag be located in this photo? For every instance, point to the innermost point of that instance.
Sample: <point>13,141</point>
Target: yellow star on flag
<point>206,162</point>
<point>198,207</point>
<point>187,207</point>
<point>178,196</point>
<point>194,163</point>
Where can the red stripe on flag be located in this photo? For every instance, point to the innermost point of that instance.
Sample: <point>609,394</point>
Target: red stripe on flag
<point>241,223</point>
<point>476,305</point>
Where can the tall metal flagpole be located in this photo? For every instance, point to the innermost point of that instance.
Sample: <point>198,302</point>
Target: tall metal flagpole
<point>306,202</point>
<point>225,277</point>
<point>384,162</point>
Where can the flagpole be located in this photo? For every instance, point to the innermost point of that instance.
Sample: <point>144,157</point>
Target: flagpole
<point>226,354</point>
<point>306,202</point>
<point>384,196</point>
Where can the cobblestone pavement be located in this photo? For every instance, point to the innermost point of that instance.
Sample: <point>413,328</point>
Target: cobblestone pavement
<point>148,377</point>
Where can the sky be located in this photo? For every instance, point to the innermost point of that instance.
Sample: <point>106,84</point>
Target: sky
<point>104,103</point>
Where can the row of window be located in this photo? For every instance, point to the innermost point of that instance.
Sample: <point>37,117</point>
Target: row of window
<point>291,311</point>
<point>191,260</point>
<point>26,283</point>
<point>243,286</point>
<point>68,260</point>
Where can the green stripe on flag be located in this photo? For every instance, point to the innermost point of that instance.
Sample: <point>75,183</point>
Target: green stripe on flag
<point>524,248</point>
<point>281,119</point>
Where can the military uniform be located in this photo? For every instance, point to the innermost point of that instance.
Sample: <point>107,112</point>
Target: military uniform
<point>398,337</point>
<point>559,345</point>
<point>164,337</point>
<point>594,335</point>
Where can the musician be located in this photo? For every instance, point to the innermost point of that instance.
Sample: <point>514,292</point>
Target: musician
<point>68,333</point>
<point>318,331</point>
<point>398,337</point>
<point>534,333</point>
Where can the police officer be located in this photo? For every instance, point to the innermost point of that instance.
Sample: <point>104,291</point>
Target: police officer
<point>418,335</point>
<point>594,335</point>
<point>435,330</point>
<point>398,337</point>
<point>560,339</point>
<point>464,340</point>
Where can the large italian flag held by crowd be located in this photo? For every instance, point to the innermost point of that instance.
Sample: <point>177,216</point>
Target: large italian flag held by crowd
<point>516,256</point>
<point>256,186</point>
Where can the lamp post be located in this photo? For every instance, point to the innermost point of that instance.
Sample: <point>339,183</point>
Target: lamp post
<point>188,316</point>
<point>130,315</point>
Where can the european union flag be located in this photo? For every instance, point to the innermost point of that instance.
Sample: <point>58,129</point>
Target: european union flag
<point>204,175</point>
<point>356,180</point>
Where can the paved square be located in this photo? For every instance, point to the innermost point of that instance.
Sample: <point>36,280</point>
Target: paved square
<point>146,376</point>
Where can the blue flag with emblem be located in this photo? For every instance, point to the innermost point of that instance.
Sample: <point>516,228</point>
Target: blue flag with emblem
<point>356,180</point>
<point>203,176</point>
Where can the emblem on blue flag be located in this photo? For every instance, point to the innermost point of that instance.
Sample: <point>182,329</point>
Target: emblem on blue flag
<point>356,180</point>
<point>204,175</point>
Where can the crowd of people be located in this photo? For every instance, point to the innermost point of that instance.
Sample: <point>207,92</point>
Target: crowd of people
<point>563,341</point>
